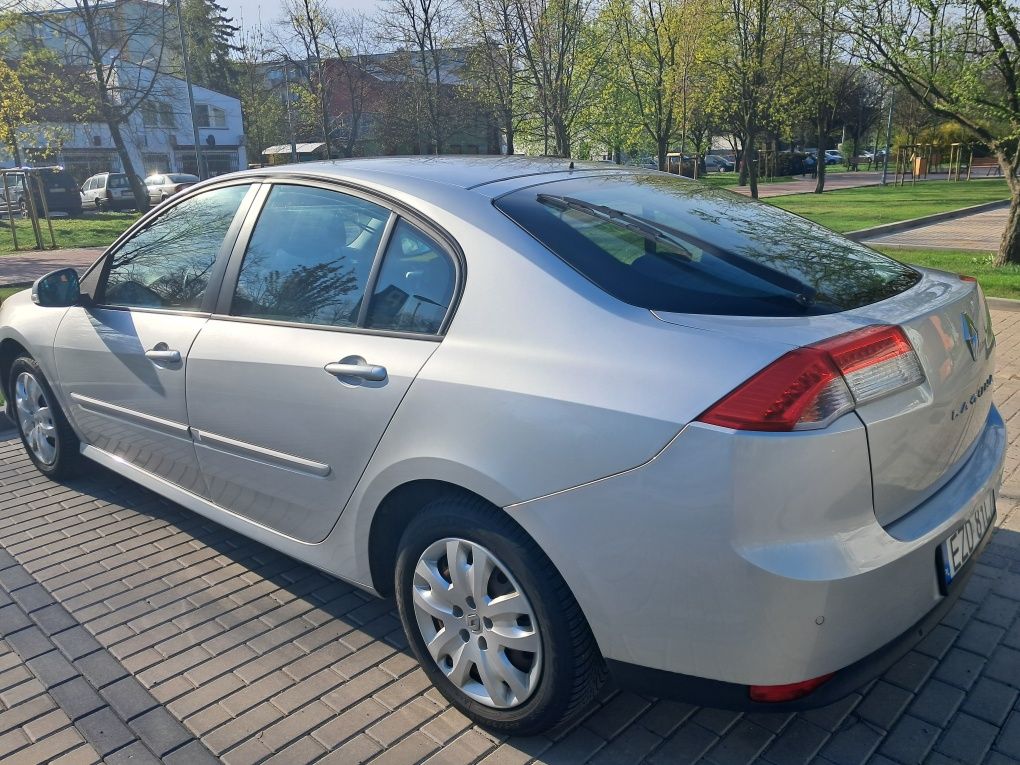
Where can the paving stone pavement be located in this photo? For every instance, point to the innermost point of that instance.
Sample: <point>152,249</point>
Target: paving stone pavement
<point>980,232</point>
<point>27,266</point>
<point>134,630</point>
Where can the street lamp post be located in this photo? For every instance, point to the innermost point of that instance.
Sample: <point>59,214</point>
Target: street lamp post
<point>191,92</point>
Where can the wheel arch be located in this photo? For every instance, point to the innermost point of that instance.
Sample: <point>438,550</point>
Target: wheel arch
<point>391,517</point>
<point>10,349</point>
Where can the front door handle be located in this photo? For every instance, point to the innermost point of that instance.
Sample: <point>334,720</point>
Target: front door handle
<point>161,352</point>
<point>355,366</point>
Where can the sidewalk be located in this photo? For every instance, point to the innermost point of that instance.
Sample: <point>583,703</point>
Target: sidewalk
<point>981,232</point>
<point>806,184</point>
<point>135,631</point>
<point>26,266</point>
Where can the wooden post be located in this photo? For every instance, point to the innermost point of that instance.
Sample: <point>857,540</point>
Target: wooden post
<point>10,214</point>
<point>46,210</point>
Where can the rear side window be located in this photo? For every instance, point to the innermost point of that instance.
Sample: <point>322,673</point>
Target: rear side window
<point>415,285</point>
<point>667,244</point>
<point>309,257</point>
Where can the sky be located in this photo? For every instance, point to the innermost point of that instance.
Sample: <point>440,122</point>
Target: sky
<point>248,11</point>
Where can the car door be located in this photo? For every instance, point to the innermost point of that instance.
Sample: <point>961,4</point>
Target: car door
<point>121,357</point>
<point>152,187</point>
<point>291,385</point>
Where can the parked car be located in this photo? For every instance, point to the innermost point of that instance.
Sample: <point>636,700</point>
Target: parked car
<point>108,191</point>
<point>593,419</point>
<point>719,163</point>
<point>833,157</point>
<point>59,187</point>
<point>163,186</point>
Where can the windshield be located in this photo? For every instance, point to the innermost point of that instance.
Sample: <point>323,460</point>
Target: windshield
<point>668,244</point>
<point>118,182</point>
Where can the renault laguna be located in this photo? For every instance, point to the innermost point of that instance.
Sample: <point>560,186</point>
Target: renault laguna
<point>583,423</point>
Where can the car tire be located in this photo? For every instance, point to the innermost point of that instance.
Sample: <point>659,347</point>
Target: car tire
<point>556,681</point>
<point>48,438</point>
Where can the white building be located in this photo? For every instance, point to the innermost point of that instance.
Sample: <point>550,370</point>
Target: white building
<point>158,135</point>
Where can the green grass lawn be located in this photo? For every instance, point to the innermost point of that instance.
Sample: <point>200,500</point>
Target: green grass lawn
<point>853,209</point>
<point>93,230</point>
<point>1001,282</point>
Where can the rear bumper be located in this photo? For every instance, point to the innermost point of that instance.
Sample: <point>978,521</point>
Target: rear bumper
<point>755,559</point>
<point>723,695</point>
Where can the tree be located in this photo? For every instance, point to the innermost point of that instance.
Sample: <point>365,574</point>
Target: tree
<point>211,37</point>
<point>261,106</point>
<point>751,26</point>
<point>15,107</point>
<point>496,61</point>
<point>650,32</point>
<point>823,31</point>
<point>552,33</point>
<point>962,63</point>
<point>123,55</point>
<point>424,28</point>
<point>304,33</point>
<point>352,72</point>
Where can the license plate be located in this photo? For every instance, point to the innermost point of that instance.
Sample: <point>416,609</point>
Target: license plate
<point>962,543</point>
<point>57,189</point>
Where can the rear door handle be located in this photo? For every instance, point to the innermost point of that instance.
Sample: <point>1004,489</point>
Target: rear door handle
<point>356,367</point>
<point>161,352</point>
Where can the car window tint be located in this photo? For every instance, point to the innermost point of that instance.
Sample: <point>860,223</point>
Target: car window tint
<point>118,182</point>
<point>415,286</point>
<point>167,264</point>
<point>309,257</point>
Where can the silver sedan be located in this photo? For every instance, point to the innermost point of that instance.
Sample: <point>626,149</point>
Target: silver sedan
<point>580,421</point>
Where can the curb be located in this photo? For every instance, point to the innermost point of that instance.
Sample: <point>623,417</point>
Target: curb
<point>925,220</point>
<point>1003,304</point>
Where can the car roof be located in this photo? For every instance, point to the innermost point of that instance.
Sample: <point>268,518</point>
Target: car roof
<point>466,172</point>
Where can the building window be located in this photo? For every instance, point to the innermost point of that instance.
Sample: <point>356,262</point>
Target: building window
<point>157,114</point>
<point>209,116</point>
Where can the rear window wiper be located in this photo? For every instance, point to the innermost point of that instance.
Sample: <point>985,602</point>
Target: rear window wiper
<point>802,293</point>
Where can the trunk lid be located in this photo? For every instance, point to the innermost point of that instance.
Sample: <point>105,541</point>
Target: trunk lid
<point>918,438</point>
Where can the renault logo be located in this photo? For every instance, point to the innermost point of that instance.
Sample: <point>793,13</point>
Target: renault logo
<point>970,336</point>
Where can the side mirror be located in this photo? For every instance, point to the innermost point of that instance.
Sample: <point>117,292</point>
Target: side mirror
<point>58,289</point>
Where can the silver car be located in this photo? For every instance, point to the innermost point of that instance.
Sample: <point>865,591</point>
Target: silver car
<point>580,421</point>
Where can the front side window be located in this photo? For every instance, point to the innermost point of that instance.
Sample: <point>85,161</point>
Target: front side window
<point>663,243</point>
<point>309,257</point>
<point>168,263</point>
<point>415,285</point>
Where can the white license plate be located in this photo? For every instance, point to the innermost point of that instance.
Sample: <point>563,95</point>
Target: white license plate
<point>962,543</point>
<point>57,189</point>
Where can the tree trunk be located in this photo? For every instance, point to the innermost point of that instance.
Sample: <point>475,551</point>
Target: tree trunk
<point>820,156</point>
<point>508,130</point>
<point>661,149</point>
<point>1009,246</point>
<point>752,164</point>
<point>138,189</point>
<point>561,136</point>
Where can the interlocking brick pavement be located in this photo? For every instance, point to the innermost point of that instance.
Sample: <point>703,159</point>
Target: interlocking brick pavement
<point>981,232</point>
<point>27,266</point>
<point>169,617</point>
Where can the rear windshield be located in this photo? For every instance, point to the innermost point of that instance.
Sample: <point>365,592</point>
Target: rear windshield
<point>667,244</point>
<point>117,182</point>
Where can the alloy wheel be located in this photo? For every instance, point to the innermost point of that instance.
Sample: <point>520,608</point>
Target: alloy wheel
<point>35,418</point>
<point>477,623</point>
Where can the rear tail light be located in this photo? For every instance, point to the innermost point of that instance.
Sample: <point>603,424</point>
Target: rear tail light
<point>772,694</point>
<point>810,387</point>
